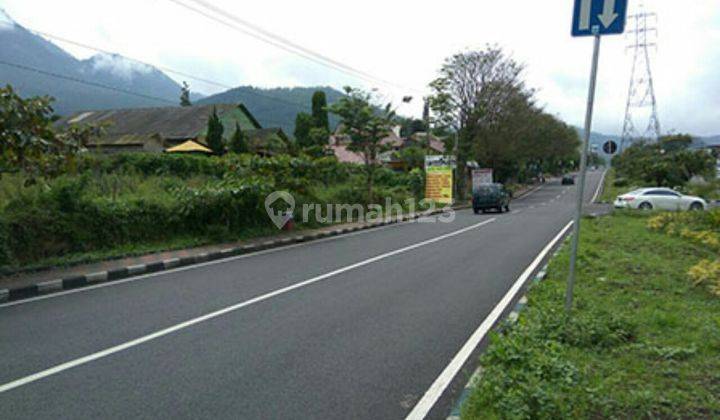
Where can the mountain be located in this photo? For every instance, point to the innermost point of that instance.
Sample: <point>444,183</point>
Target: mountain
<point>23,53</point>
<point>275,107</point>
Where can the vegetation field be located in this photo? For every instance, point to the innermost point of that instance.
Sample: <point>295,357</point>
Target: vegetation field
<point>643,340</point>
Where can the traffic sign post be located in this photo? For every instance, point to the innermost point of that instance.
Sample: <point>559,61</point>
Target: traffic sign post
<point>591,18</point>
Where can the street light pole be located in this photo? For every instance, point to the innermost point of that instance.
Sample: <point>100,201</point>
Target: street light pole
<point>583,170</point>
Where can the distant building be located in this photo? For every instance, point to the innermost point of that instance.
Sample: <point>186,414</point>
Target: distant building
<point>155,130</point>
<point>392,144</point>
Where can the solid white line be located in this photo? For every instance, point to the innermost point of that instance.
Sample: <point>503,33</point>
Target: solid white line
<point>426,403</point>
<point>597,191</point>
<point>199,265</point>
<point>107,352</point>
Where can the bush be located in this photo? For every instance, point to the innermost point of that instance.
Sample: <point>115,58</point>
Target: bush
<point>707,273</point>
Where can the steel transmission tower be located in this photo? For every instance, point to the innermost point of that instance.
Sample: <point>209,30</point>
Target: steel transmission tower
<point>641,93</point>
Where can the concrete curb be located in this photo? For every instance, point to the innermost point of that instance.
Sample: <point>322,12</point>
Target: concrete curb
<point>511,319</point>
<point>79,281</point>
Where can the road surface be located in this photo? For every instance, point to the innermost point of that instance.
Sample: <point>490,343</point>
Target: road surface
<point>356,326</point>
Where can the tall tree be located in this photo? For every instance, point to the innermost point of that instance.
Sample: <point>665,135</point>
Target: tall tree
<point>303,125</point>
<point>215,134</point>
<point>465,80</point>
<point>185,95</point>
<point>366,123</point>
<point>238,142</point>
<point>320,111</point>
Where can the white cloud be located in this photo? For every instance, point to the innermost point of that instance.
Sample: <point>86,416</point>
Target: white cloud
<point>405,42</point>
<point>118,65</point>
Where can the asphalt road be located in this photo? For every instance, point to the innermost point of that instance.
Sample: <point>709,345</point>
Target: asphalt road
<point>357,326</point>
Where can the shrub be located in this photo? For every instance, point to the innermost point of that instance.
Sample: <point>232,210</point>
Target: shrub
<point>707,273</point>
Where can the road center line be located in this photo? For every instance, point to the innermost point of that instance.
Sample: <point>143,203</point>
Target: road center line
<point>138,341</point>
<point>426,403</point>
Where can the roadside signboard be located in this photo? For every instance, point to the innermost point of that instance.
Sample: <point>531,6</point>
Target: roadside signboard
<point>599,17</point>
<point>439,179</point>
<point>481,177</point>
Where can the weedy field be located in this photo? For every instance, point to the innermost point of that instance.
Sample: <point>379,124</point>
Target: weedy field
<point>643,340</point>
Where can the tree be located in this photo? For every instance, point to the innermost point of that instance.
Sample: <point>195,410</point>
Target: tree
<point>468,94</point>
<point>366,123</point>
<point>215,134</point>
<point>413,157</point>
<point>318,137</point>
<point>320,111</point>
<point>667,163</point>
<point>185,95</point>
<point>29,143</point>
<point>238,142</point>
<point>303,125</point>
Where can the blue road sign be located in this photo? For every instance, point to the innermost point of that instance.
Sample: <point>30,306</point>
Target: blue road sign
<point>599,17</point>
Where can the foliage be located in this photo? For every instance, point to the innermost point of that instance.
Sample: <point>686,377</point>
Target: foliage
<point>238,142</point>
<point>127,201</point>
<point>481,96</point>
<point>410,126</point>
<point>706,272</point>
<point>667,163</point>
<point>29,142</point>
<point>318,137</point>
<point>413,157</point>
<point>185,95</point>
<point>366,124</point>
<point>303,125</point>
<point>215,134</point>
<point>641,341</point>
<point>320,111</point>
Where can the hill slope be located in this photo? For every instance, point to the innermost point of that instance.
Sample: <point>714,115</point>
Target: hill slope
<point>275,107</point>
<point>23,51</point>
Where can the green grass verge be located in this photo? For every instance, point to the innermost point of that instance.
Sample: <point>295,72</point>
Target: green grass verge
<point>642,341</point>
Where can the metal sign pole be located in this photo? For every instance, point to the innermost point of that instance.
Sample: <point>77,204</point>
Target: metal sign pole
<point>583,170</point>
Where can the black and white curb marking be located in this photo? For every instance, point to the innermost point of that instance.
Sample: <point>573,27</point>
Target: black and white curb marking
<point>509,321</point>
<point>79,281</point>
<point>75,282</point>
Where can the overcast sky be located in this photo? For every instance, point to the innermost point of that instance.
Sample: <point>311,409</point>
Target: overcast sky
<point>405,42</point>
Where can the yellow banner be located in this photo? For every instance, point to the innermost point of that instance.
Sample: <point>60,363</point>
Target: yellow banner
<point>439,184</point>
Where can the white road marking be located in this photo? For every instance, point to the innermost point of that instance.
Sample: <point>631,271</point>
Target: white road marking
<point>205,264</point>
<point>426,403</point>
<point>136,342</point>
<point>599,187</point>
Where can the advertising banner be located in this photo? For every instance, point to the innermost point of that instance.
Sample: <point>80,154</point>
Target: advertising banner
<point>439,178</point>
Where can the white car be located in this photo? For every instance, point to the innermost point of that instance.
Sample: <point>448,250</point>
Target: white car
<point>659,199</point>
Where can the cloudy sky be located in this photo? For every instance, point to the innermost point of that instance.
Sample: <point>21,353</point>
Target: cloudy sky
<point>404,43</point>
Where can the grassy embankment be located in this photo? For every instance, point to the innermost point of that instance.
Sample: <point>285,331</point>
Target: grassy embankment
<point>121,205</point>
<point>643,340</point>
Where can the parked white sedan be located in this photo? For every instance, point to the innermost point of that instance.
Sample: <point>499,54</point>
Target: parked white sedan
<point>659,199</point>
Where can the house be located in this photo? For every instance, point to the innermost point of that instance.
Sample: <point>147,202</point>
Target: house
<point>392,145</point>
<point>155,130</point>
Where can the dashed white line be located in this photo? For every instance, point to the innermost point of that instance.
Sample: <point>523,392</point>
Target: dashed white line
<point>138,341</point>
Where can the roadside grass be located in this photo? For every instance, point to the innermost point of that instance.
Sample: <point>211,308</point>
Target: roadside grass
<point>642,341</point>
<point>135,250</point>
<point>611,191</point>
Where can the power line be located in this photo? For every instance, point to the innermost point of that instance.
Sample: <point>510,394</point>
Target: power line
<point>278,41</point>
<point>84,82</point>
<point>163,68</point>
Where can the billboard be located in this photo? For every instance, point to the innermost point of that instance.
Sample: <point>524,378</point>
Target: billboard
<point>439,178</point>
<point>480,177</point>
